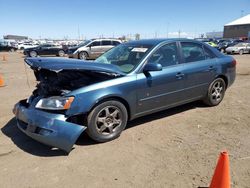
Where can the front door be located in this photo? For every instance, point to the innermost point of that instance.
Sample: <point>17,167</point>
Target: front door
<point>95,49</point>
<point>161,89</point>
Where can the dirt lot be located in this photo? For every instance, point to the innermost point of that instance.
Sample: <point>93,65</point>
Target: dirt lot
<point>174,148</point>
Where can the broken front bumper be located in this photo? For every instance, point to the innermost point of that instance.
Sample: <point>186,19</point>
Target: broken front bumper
<point>48,128</point>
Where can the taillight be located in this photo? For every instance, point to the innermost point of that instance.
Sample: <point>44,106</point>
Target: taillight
<point>234,62</point>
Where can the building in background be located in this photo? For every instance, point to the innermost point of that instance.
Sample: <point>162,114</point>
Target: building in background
<point>239,28</point>
<point>15,37</point>
<point>214,34</point>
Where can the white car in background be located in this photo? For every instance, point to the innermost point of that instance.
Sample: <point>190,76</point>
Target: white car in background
<point>91,49</point>
<point>26,45</point>
<point>239,48</point>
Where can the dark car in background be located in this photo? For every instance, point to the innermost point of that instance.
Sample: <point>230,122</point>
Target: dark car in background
<point>129,81</point>
<point>45,49</point>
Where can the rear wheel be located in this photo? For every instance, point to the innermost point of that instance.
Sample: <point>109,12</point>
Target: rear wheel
<point>83,55</point>
<point>61,53</point>
<point>241,52</point>
<point>33,54</point>
<point>106,121</point>
<point>216,92</point>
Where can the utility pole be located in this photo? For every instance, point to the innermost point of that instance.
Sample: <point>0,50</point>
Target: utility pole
<point>179,33</point>
<point>78,30</point>
<point>167,28</point>
<point>242,13</point>
<point>155,34</point>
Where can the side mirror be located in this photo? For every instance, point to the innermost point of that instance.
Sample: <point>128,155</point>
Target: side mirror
<point>152,67</point>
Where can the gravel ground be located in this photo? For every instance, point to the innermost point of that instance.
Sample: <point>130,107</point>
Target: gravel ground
<point>178,147</point>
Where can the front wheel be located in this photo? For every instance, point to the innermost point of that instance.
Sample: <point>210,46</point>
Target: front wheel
<point>216,92</point>
<point>106,121</point>
<point>33,54</point>
<point>12,50</point>
<point>83,55</point>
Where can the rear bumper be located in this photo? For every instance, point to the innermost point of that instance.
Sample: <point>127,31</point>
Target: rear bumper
<point>48,128</point>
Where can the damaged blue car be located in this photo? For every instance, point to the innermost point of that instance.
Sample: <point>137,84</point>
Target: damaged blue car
<point>131,80</point>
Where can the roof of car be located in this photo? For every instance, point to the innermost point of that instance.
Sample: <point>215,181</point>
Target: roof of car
<point>155,42</point>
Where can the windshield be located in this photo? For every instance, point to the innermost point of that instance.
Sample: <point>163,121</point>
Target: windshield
<point>84,43</point>
<point>125,56</point>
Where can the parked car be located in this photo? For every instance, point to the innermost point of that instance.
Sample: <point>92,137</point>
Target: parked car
<point>8,48</point>
<point>131,80</point>
<point>239,48</point>
<point>223,45</point>
<point>25,45</point>
<point>45,49</point>
<point>203,39</point>
<point>212,44</point>
<point>91,49</point>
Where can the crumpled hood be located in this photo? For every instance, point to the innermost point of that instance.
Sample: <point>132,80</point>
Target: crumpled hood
<point>59,64</point>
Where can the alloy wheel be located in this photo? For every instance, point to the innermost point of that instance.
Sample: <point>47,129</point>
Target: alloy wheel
<point>217,91</point>
<point>108,120</point>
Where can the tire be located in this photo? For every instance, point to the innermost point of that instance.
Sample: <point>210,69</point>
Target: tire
<point>33,54</point>
<point>61,53</point>
<point>12,50</point>
<point>216,92</point>
<point>22,48</point>
<point>83,55</point>
<point>106,121</point>
<point>241,52</point>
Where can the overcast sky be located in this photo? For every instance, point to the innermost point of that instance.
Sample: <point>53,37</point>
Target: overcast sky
<point>114,18</point>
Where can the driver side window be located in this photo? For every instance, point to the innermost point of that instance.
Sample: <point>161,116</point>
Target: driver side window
<point>96,43</point>
<point>167,55</point>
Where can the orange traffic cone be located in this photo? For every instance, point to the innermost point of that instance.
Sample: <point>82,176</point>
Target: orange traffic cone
<point>4,57</point>
<point>1,81</point>
<point>221,177</point>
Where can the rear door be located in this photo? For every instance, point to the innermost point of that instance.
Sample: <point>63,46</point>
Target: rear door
<point>199,70</point>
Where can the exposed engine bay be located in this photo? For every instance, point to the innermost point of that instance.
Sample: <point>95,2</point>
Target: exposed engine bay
<point>58,83</point>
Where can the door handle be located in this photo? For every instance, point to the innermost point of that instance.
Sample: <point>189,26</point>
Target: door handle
<point>179,75</point>
<point>211,68</point>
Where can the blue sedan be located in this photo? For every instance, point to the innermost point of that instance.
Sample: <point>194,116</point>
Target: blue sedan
<point>131,80</point>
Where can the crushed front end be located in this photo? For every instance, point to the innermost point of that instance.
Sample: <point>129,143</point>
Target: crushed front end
<point>44,116</point>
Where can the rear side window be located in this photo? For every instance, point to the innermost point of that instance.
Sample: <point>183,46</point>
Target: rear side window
<point>106,42</point>
<point>115,43</point>
<point>208,53</point>
<point>192,52</point>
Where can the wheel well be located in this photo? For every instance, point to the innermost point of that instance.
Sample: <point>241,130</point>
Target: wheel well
<point>224,78</point>
<point>124,102</point>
